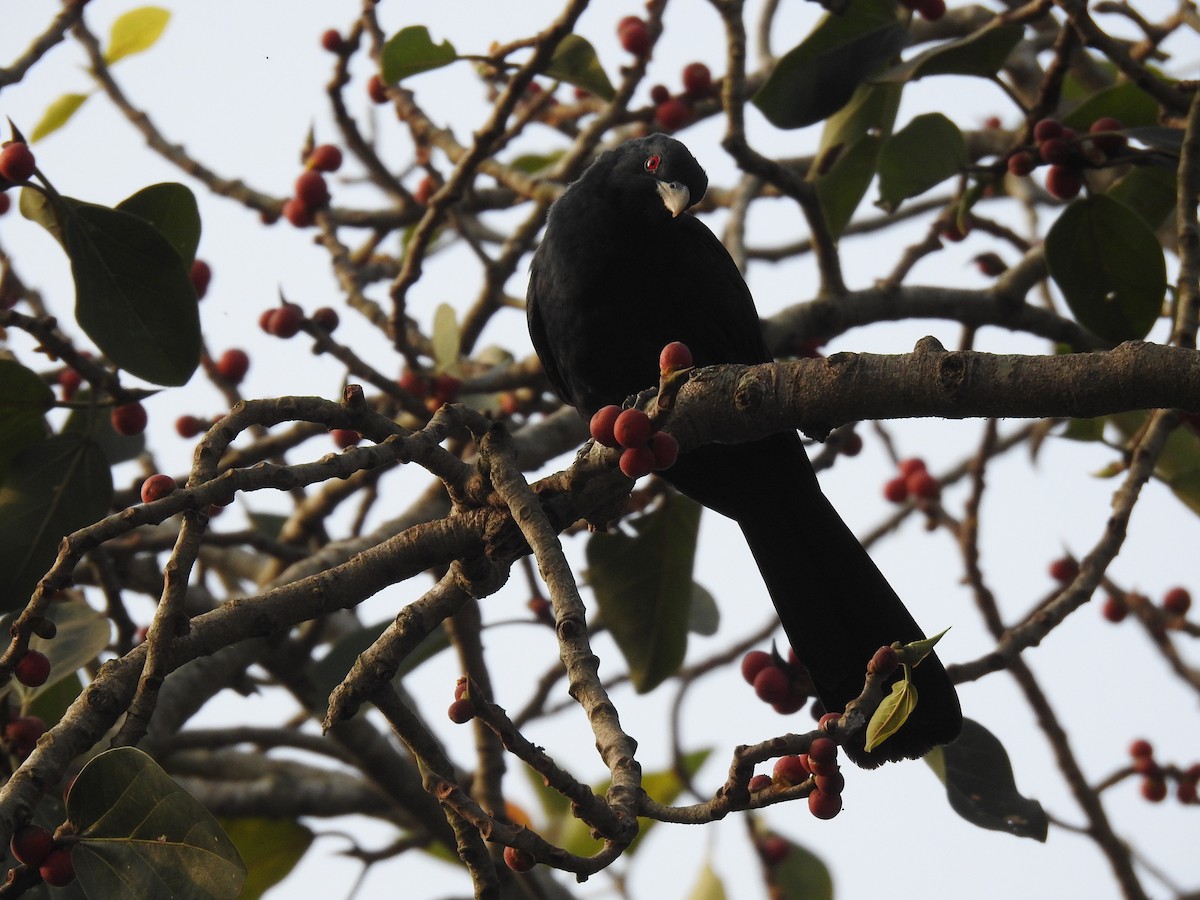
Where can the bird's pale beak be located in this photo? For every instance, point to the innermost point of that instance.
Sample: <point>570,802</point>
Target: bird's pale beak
<point>675,196</point>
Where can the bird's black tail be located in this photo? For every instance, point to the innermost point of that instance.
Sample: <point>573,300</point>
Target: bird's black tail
<point>836,607</point>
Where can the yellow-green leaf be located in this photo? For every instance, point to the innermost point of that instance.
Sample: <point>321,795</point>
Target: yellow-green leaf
<point>925,646</point>
<point>270,848</point>
<point>445,340</point>
<point>575,62</point>
<point>135,32</point>
<point>57,114</point>
<point>892,713</point>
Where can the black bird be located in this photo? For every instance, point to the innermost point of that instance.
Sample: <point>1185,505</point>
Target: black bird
<point>621,272</point>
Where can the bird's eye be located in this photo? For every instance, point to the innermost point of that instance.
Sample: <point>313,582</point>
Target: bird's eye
<point>653,162</point>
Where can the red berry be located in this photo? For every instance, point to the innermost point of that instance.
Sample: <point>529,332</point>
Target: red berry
<point>129,419</point>
<point>896,490</point>
<point>461,711</point>
<point>822,751</point>
<point>823,805</point>
<point>774,849</point>
<point>297,213</point>
<point>446,388</point>
<point>991,122</point>
<point>518,860</point>
<point>674,356</point>
<point>826,719</point>
<point>1187,792</point>
<point>377,90</point>
<point>753,663</point>
<point>1177,601</point>
<point>284,321</point>
<point>345,437</point>
<point>772,685</point>
<point>665,449</point>
<point>834,783</point>
<point>56,869</point>
<point>32,669</point>
<point>793,703</point>
<point>311,189</point>
<point>954,233</point>
<point>672,114</point>
<point>1056,151</point>
<point>1146,765</point>
<point>931,11</point>
<point>990,264</point>
<point>426,188</point>
<point>541,608</point>
<point>414,383</point>
<point>16,162</point>
<point>923,485</point>
<point>327,318</point>
<point>911,466</point>
<point>1047,129</point>
<point>22,734</point>
<point>1115,609</point>
<point>325,158</point>
<point>31,844</point>
<point>884,662</point>
<point>189,426</point>
<point>1154,789</point>
<point>1021,163</point>
<point>759,783</point>
<point>157,486</point>
<point>633,35</point>
<point>636,461</point>
<point>601,425</point>
<point>790,770</point>
<point>233,365</point>
<point>697,80</point>
<point>659,94</point>
<point>331,40</point>
<point>1102,137</point>
<point>69,380</point>
<point>5,203</point>
<point>201,275</point>
<point>853,445</point>
<point>1064,570</point>
<point>1063,182</point>
<point>1141,749</point>
<point>632,428</point>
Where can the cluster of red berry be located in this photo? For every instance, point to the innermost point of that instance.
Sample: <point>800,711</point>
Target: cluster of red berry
<point>311,192</point>
<point>671,111</point>
<point>913,481</point>
<point>1154,775</point>
<point>1175,604</point>
<point>820,764</point>
<point>462,710</point>
<point>435,390</point>
<point>783,683</point>
<point>1067,153</point>
<point>929,10</point>
<point>34,846</point>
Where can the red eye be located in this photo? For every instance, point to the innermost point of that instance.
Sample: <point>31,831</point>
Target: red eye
<point>653,162</point>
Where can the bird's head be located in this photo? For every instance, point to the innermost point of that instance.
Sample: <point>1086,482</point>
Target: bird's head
<point>654,173</point>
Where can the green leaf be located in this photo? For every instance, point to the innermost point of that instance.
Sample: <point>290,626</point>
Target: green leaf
<point>51,488</point>
<point>1126,101</point>
<point>1149,191</point>
<point>82,633</point>
<point>801,873</point>
<point>269,524</point>
<point>411,51</point>
<point>24,400</point>
<point>981,53</point>
<point>892,713</point>
<point>1084,429</point>
<point>849,152</point>
<point>57,115</point>
<point>171,208</point>
<point>38,208</point>
<point>270,848</point>
<point>446,340</point>
<point>980,785</point>
<point>531,163</point>
<point>135,32</point>
<point>819,76</point>
<point>925,152</point>
<point>704,617</point>
<point>95,423</point>
<point>575,62</point>
<point>643,585</point>
<point>1178,466</point>
<point>925,646</point>
<point>142,835</point>
<point>708,886</point>
<point>1109,266</point>
<point>133,295</point>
